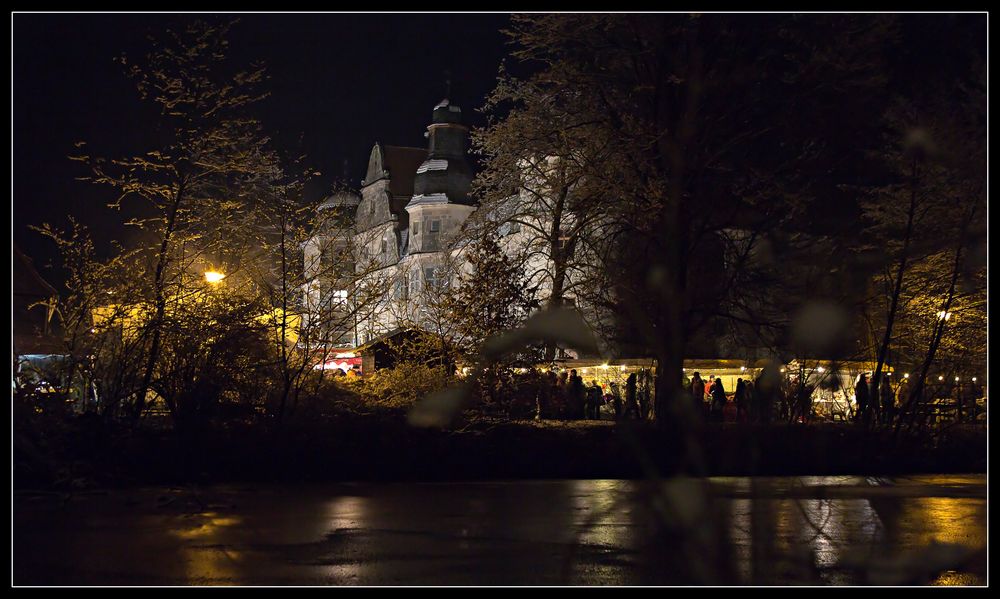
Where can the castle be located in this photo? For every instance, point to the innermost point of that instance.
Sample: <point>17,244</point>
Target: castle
<point>374,257</point>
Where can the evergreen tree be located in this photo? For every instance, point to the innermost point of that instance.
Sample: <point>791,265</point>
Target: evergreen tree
<point>490,297</point>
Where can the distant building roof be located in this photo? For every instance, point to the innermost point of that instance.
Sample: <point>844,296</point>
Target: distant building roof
<point>27,281</point>
<point>34,302</point>
<point>340,198</point>
<point>402,164</point>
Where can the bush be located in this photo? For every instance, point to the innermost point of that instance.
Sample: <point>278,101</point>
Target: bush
<point>401,386</point>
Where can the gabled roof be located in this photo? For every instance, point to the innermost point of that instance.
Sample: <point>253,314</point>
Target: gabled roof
<point>397,163</point>
<point>27,281</point>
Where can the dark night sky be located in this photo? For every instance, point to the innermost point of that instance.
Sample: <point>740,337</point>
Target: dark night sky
<point>340,81</point>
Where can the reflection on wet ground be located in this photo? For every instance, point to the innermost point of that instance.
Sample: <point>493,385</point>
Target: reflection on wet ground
<point>790,530</point>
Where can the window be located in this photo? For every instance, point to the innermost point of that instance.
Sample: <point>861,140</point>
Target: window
<point>385,247</point>
<point>399,289</point>
<point>431,242</point>
<point>431,276</point>
<point>339,296</point>
<point>414,281</point>
<point>416,228</point>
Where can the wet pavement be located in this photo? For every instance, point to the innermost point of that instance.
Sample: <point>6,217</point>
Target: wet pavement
<point>787,530</point>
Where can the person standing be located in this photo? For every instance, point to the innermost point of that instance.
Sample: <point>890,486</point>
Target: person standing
<point>616,400</point>
<point>861,397</point>
<point>562,396</point>
<point>595,397</point>
<point>718,400</point>
<point>888,401</point>
<point>644,389</point>
<point>576,396</point>
<point>698,393</point>
<point>804,397</point>
<point>742,402</point>
<point>631,402</point>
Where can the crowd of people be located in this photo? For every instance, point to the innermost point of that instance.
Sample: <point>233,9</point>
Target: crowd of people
<point>758,399</point>
<point>568,396</point>
<point>746,404</point>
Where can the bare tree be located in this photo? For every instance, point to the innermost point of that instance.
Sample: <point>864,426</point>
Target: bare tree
<point>191,182</point>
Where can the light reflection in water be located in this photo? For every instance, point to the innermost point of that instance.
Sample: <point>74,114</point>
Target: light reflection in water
<point>520,531</point>
<point>344,516</point>
<point>948,520</point>
<point>208,558</point>
<point>601,513</point>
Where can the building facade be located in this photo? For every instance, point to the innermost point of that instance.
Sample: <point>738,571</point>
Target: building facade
<point>378,257</point>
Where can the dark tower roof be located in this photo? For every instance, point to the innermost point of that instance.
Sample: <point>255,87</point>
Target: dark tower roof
<point>445,177</point>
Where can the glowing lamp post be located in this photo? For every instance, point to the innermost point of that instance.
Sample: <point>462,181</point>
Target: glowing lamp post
<point>944,315</point>
<point>214,277</point>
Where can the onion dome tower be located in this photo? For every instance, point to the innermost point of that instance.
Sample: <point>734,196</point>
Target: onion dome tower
<point>445,176</point>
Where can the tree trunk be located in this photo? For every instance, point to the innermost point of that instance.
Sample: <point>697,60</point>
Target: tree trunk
<point>908,412</point>
<point>898,286</point>
<point>160,304</point>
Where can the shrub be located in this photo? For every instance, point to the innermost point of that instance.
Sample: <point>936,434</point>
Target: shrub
<point>401,386</point>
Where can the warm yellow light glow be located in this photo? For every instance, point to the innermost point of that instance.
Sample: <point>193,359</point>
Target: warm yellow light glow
<point>213,276</point>
<point>604,366</point>
<point>820,369</point>
<point>782,370</point>
<point>956,379</point>
<point>743,368</point>
<point>940,378</point>
<point>942,315</point>
<point>973,379</point>
<point>906,376</point>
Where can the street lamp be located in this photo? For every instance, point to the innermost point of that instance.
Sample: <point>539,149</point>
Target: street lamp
<point>213,276</point>
<point>942,315</point>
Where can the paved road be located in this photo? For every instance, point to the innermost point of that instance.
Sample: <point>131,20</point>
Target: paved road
<point>808,530</point>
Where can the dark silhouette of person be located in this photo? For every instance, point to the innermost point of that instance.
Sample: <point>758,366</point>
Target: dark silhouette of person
<point>888,401</point>
<point>576,396</point>
<point>804,398</point>
<point>616,400</point>
<point>742,401</point>
<point>768,392</point>
<point>861,397</point>
<point>631,401</point>
<point>562,396</point>
<point>644,395</point>
<point>595,397</point>
<point>718,400</point>
<point>698,393</point>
